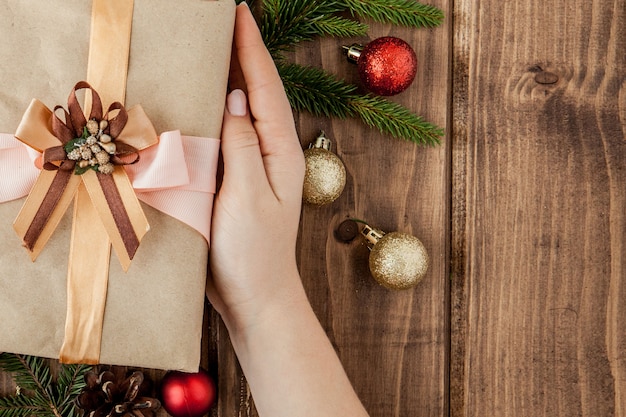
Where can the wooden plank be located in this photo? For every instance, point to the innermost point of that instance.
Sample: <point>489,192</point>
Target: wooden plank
<point>539,223</point>
<point>393,344</point>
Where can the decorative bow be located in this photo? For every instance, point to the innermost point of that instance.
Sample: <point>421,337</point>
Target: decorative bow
<point>89,152</point>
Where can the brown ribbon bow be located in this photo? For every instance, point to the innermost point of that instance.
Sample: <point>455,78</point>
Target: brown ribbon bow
<point>130,131</point>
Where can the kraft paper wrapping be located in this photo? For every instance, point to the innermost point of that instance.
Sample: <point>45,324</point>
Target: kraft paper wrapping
<point>178,69</point>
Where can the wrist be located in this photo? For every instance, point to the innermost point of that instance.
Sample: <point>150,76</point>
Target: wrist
<point>290,363</point>
<point>265,307</point>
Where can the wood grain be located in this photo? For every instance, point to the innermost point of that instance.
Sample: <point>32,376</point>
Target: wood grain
<point>539,209</point>
<point>393,344</point>
<point>523,211</point>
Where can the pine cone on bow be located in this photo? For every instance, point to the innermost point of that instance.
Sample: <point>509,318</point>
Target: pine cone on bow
<point>108,396</point>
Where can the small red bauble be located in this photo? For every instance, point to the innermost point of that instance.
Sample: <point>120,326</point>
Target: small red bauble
<point>188,394</point>
<point>387,65</point>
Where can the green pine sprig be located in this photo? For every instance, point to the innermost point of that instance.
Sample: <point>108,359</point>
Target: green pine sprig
<point>320,93</point>
<point>285,23</point>
<point>18,406</point>
<point>39,394</point>
<point>316,91</point>
<point>397,12</point>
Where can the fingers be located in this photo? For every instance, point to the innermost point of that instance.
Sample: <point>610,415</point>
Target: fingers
<point>262,80</point>
<point>243,164</point>
<point>270,109</point>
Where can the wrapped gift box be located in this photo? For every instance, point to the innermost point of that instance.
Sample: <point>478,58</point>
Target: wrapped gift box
<point>177,70</point>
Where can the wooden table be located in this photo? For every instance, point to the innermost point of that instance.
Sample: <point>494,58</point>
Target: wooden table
<point>522,209</point>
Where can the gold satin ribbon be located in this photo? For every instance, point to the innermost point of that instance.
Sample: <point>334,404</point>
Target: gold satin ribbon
<point>109,48</point>
<point>95,227</point>
<point>107,67</point>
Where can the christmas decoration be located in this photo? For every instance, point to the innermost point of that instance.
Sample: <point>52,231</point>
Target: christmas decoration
<point>93,150</point>
<point>397,260</point>
<point>188,394</point>
<point>107,395</point>
<point>285,23</point>
<point>387,65</point>
<point>325,175</point>
<point>38,393</point>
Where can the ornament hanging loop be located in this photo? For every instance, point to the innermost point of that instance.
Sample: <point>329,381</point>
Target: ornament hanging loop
<point>372,235</point>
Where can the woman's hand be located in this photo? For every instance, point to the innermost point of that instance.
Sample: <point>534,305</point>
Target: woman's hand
<point>257,208</point>
<point>288,361</point>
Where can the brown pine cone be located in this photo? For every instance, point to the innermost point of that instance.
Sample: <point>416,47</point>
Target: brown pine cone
<point>108,396</point>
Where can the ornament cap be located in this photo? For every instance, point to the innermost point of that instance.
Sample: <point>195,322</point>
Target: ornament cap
<point>321,142</point>
<point>353,52</point>
<point>372,235</point>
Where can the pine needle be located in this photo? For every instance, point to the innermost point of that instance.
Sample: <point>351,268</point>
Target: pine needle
<point>285,23</point>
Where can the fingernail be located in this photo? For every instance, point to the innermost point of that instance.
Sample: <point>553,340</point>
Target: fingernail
<point>236,103</point>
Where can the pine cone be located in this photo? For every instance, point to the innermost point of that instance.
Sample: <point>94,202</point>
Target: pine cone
<point>108,396</point>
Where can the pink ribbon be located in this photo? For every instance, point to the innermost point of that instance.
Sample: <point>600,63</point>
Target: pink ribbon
<point>176,177</point>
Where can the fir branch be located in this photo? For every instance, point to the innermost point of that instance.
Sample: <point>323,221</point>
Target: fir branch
<point>29,372</point>
<point>338,27</point>
<point>284,24</point>
<point>42,397</point>
<point>314,90</point>
<point>398,12</point>
<point>70,382</point>
<point>396,120</point>
<point>321,94</point>
<point>19,406</point>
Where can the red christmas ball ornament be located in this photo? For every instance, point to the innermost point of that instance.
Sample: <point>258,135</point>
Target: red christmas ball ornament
<point>387,65</point>
<point>188,394</point>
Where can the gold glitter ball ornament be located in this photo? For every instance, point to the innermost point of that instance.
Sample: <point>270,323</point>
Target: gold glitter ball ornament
<point>397,260</point>
<point>325,176</point>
